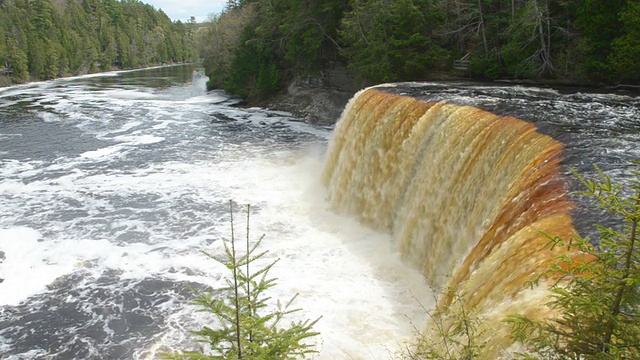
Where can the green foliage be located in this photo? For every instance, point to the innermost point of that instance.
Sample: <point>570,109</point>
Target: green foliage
<point>485,68</point>
<point>238,56</point>
<point>522,53</point>
<point>626,48</point>
<point>455,336</point>
<point>247,328</point>
<point>597,294</point>
<point>395,40</point>
<point>219,41</point>
<point>391,40</point>
<point>253,46</point>
<point>611,31</point>
<point>310,32</point>
<point>254,73</point>
<point>18,60</point>
<point>69,37</point>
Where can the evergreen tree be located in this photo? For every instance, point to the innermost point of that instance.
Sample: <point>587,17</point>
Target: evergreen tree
<point>18,61</point>
<point>597,295</point>
<point>600,24</point>
<point>392,40</point>
<point>246,328</point>
<point>458,334</point>
<point>626,48</point>
<point>68,37</point>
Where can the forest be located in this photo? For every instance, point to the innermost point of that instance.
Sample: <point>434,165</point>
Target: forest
<point>46,39</point>
<point>255,46</point>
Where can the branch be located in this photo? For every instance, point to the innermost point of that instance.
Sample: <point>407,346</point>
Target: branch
<point>235,281</point>
<point>629,314</point>
<point>325,34</point>
<point>360,27</point>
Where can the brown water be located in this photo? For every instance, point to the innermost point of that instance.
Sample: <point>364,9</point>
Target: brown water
<point>467,196</point>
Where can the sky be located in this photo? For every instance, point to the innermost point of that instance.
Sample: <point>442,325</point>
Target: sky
<point>183,9</point>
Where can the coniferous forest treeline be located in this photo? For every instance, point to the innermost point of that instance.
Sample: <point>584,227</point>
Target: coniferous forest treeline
<point>45,39</point>
<point>254,46</point>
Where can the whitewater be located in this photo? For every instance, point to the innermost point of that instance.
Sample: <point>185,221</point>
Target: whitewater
<point>112,186</point>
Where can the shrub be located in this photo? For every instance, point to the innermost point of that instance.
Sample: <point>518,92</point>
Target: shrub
<point>247,328</point>
<point>597,295</point>
<point>456,335</point>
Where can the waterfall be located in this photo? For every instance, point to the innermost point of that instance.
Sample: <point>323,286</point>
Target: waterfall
<point>465,194</point>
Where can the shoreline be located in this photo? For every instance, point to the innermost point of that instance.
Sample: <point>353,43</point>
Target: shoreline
<point>323,105</point>
<point>318,103</point>
<point>113,72</point>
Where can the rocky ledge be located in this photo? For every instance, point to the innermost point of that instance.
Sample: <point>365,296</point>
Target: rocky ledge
<point>318,100</point>
<point>315,104</point>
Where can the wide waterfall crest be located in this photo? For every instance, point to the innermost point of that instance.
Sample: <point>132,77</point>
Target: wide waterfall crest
<point>466,194</point>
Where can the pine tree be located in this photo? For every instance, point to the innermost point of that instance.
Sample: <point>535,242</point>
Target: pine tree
<point>597,295</point>
<point>18,61</point>
<point>247,328</point>
<point>458,334</point>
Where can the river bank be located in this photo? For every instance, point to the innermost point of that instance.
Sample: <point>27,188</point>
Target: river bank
<point>322,102</point>
<point>5,81</point>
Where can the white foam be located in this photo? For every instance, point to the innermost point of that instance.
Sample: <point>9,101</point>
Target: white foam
<point>349,275</point>
<point>139,140</point>
<point>128,126</point>
<point>132,95</point>
<point>24,251</point>
<point>49,117</point>
<point>207,99</point>
<point>101,153</point>
<point>41,261</point>
<point>343,272</point>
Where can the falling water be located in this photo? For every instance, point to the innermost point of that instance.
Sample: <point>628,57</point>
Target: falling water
<point>112,185</point>
<point>465,194</point>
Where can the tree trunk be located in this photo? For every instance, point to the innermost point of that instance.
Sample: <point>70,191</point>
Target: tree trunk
<point>482,29</point>
<point>615,310</point>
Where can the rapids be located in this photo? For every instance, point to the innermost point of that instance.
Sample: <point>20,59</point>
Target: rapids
<point>111,185</point>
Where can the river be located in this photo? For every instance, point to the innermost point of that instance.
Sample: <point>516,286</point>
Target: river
<point>112,185</point>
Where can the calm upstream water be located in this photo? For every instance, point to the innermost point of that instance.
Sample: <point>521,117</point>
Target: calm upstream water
<point>112,185</point>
